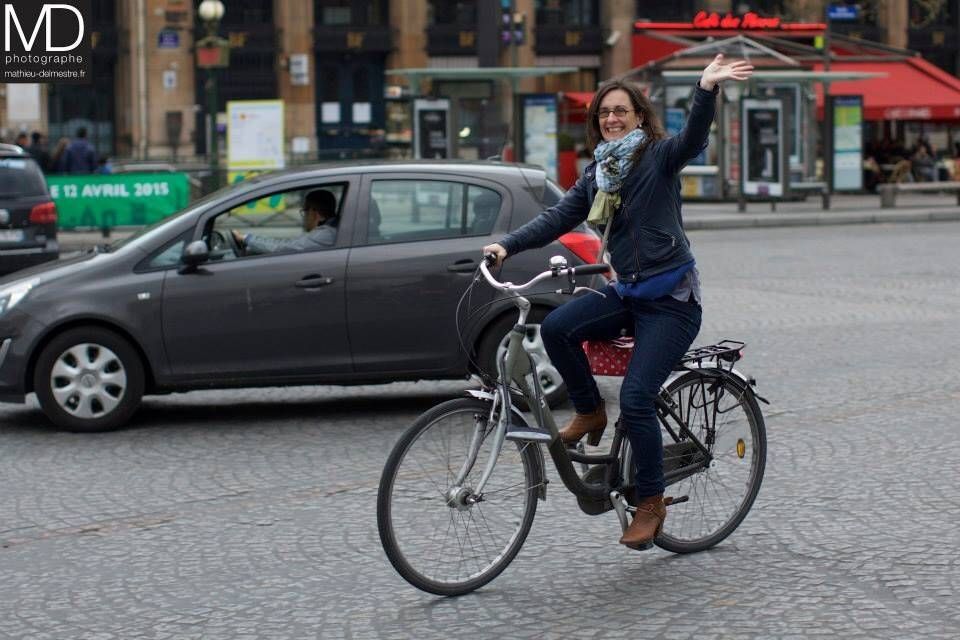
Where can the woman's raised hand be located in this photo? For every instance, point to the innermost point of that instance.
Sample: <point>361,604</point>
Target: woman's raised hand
<point>717,71</point>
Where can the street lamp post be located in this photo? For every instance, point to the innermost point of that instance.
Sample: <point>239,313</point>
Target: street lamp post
<point>212,53</point>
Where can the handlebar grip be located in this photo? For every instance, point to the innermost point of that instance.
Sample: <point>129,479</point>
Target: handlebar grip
<point>591,269</point>
<point>490,259</point>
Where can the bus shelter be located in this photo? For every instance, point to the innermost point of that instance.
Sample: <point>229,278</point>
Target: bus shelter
<point>780,80</point>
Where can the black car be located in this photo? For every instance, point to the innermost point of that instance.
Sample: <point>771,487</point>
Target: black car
<point>181,305</point>
<point>28,217</point>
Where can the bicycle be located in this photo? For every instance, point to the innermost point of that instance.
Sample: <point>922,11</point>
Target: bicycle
<point>456,501</point>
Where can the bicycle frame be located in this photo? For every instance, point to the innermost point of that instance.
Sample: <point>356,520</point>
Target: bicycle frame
<point>512,367</point>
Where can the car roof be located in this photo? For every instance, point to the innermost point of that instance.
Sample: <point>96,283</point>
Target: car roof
<point>488,168</point>
<point>12,150</point>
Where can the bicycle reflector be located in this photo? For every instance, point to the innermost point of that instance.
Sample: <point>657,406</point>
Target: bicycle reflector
<point>583,244</point>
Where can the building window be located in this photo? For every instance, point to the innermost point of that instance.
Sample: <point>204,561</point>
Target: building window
<point>447,12</point>
<point>247,12</point>
<point>763,7</point>
<point>674,11</point>
<point>929,13</point>
<point>568,13</point>
<point>355,13</point>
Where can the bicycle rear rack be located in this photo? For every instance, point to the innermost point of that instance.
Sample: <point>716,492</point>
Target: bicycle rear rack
<point>725,350</point>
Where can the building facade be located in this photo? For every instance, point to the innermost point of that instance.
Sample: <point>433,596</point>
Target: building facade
<point>331,62</point>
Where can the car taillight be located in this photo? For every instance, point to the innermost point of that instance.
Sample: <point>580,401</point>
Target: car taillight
<point>45,213</point>
<point>584,245</point>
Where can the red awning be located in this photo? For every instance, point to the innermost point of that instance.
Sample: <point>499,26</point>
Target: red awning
<point>579,99</point>
<point>575,105</point>
<point>913,89</point>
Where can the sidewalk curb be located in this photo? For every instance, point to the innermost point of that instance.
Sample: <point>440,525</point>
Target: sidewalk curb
<point>72,241</point>
<point>749,221</point>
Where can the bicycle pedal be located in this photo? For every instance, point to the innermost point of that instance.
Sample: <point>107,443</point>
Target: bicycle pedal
<point>671,500</point>
<point>527,434</point>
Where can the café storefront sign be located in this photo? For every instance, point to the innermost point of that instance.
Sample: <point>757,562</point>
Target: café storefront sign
<point>714,20</point>
<point>107,201</point>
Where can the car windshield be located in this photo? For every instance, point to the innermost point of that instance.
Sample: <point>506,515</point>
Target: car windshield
<point>21,177</point>
<point>147,230</point>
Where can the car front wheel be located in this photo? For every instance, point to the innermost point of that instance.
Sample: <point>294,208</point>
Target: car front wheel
<point>89,379</point>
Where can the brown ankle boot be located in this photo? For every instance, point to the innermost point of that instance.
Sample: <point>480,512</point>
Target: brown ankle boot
<point>647,522</point>
<point>583,424</point>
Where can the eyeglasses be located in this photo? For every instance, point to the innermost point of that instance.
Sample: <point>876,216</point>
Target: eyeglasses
<point>617,111</point>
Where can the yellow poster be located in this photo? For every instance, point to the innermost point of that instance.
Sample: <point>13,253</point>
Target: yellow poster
<point>273,204</point>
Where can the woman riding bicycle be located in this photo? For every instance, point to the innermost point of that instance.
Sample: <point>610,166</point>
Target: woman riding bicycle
<point>633,185</point>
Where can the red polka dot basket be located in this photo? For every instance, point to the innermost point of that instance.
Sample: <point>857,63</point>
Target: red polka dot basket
<point>609,357</point>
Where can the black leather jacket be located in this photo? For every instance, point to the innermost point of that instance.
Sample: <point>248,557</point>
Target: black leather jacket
<point>647,236</point>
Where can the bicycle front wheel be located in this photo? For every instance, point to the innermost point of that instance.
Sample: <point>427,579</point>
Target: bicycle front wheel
<point>724,416</point>
<point>441,536</point>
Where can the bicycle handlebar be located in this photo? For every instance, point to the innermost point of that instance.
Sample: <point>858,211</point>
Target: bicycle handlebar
<point>591,269</point>
<point>556,272</point>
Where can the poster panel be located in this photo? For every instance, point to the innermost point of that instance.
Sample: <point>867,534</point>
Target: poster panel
<point>255,134</point>
<point>846,114</point>
<point>539,113</point>
<point>762,148</point>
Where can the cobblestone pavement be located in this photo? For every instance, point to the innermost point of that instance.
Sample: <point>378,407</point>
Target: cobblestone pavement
<point>251,514</point>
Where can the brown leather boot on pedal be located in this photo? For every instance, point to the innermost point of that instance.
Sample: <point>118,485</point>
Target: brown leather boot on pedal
<point>584,424</point>
<point>647,522</point>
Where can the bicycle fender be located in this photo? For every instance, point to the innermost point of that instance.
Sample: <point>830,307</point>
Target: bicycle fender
<point>749,382</point>
<point>539,464</point>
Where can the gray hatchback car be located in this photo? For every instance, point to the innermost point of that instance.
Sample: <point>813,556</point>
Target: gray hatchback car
<point>182,305</point>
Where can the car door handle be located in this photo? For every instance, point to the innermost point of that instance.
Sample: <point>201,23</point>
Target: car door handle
<point>312,282</point>
<point>466,265</point>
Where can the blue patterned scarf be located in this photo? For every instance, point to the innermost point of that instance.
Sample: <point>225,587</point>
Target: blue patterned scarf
<point>614,161</point>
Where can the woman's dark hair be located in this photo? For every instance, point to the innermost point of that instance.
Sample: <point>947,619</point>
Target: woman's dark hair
<point>641,104</point>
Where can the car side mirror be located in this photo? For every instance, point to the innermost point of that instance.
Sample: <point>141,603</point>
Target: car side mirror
<point>195,254</point>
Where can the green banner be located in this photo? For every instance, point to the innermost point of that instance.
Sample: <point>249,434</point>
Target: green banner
<point>117,200</point>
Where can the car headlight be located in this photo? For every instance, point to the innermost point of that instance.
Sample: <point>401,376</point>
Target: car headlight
<point>11,294</point>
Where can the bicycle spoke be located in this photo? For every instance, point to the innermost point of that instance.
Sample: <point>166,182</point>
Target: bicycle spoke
<point>719,416</point>
<point>475,539</point>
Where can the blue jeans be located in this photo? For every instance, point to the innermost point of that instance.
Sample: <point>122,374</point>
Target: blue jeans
<point>663,329</point>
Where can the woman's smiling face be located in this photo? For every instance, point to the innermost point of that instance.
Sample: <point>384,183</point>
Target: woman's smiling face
<point>613,126</point>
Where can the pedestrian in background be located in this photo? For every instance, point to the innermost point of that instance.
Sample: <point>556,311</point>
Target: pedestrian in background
<point>58,156</point>
<point>38,149</point>
<point>21,140</point>
<point>80,156</point>
<point>633,187</point>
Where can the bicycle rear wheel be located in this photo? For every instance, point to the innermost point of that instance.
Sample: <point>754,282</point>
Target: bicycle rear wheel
<point>434,534</point>
<point>724,416</point>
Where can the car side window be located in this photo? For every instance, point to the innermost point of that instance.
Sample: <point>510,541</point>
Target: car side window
<point>416,210</point>
<point>302,219</point>
<point>166,256</point>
